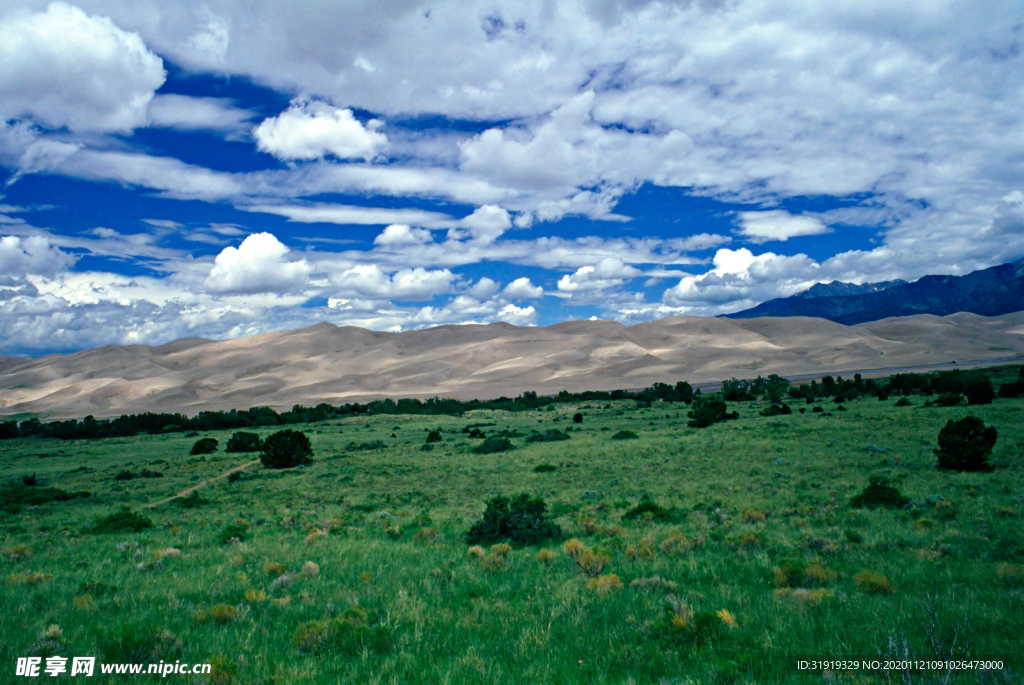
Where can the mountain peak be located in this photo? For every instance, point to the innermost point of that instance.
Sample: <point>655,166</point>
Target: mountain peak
<point>989,292</point>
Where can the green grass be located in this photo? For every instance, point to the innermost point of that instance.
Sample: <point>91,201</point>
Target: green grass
<point>750,495</point>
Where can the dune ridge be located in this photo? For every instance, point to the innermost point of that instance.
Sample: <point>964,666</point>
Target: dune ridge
<point>327,363</point>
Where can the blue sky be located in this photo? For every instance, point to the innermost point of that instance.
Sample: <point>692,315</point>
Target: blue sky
<point>225,168</point>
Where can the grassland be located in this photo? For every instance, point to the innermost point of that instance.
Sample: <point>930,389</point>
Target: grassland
<point>760,527</point>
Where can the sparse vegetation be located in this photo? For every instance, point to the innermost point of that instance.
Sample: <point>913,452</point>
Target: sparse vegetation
<point>256,572</point>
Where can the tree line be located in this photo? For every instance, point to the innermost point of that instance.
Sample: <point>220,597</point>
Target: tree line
<point>975,386</point>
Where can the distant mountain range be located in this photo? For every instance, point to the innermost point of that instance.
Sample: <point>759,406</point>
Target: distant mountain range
<point>989,292</point>
<point>325,363</point>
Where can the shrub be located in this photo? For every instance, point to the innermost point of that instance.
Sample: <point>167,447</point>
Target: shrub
<point>547,436</point>
<point>123,521</point>
<point>521,521</point>
<point>879,493</point>
<point>903,402</point>
<point>233,531</point>
<point>285,449</point>
<point>14,497</point>
<point>965,445</point>
<point>434,436</point>
<point>681,625</point>
<point>606,584</point>
<point>577,418</point>
<point>625,435</point>
<point>192,500</point>
<point>948,399</point>
<point>648,510</point>
<point>1012,389</point>
<point>244,442</point>
<point>980,391</point>
<point>544,468</point>
<point>707,411</point>
<point>493,444</point>
<point>204,446</point>
<point>777,410</point>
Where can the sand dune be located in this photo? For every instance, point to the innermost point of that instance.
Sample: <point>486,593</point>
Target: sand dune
<point>326,363</point>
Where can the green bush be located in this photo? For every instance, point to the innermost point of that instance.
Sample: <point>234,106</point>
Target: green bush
<point>965,445</point>
<point>243,441</point>
<point>204,446</point>
<point>544,468</point>
<point>777,410</point>
<point>192,500</point>
<point>547,436</point>
<point>519,521</point>
<point>285,449</point>
<point>879,493</point>
<point>948,399</point>
<point>493,444</point>
<point>577,418</point>
<point>707,411</point>
<point>980,391</point>
<point>123,521</point>
<point>233,531</point>
<point>625,435</point>
<point>434,436</point>
<point>903,402</point>
<point>14,497</point>
<point>649,510</point>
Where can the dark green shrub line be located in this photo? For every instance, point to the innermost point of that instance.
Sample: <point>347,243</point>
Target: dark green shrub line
<point>974,385</point>
<point>14,498</point>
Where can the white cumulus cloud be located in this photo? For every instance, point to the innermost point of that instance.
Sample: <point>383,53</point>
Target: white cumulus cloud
<point>522,289</point>
<point>259,264</point>
<point>63,67</point>
<point>484,225</point>
<point>310,129</point>
<point>742,279</point>
<point>371,282</point>
<point>402,234</point>
<point>33,255</point>
<point>519,316</point>
<point>607,273</point>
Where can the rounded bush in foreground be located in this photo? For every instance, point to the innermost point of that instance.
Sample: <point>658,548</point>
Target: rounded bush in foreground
<point>965,445</point>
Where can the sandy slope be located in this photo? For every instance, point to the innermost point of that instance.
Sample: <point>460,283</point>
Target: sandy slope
<point>325,363</point>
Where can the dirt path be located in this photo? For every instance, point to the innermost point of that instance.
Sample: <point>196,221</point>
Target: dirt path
<point>203,483</point>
